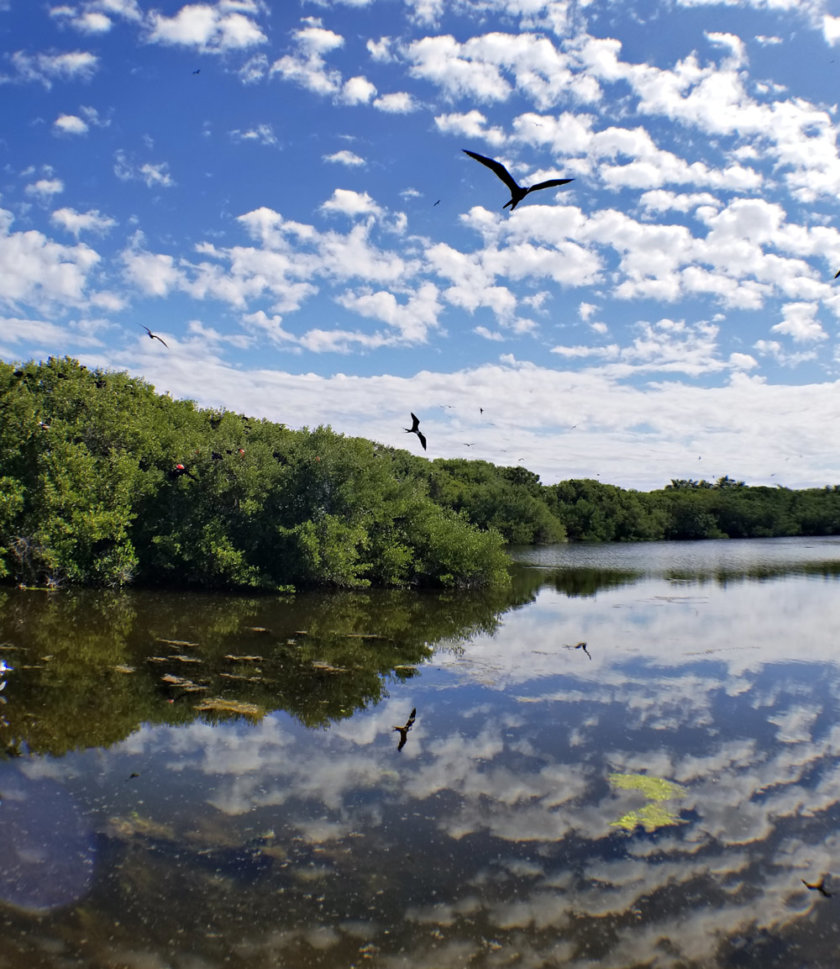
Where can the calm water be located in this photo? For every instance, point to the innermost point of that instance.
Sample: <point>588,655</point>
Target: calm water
<point>191,782</point>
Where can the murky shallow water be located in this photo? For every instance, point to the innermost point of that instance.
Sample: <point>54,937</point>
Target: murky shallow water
<point>655,800</point>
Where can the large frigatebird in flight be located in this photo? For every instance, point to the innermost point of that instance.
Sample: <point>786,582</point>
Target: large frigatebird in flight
<point>154,336</point>
<point>517,192</point>
<point>415,429</point>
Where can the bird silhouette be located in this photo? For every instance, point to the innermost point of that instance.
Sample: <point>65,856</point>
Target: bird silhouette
<point>436,203</point>
<point>817,887</point>
<point>403,731</point>
<point>517,192</point>
<point>197,71</point>
<point>837,274</point>
<point>154,336</point>
<point>415,429</point>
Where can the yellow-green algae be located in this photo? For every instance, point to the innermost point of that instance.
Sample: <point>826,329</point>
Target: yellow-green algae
<point>655,790</point>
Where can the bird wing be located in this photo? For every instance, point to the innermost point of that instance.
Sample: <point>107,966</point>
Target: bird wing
<point>837,274</point>
<point>550,183</point>
<point>422,439</point>
<point>415,420</point>
<point>410,721</point>
<point>154,336</point>
<point>497,167</point>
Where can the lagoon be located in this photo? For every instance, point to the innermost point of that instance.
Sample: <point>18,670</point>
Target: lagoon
<point>200,781</point>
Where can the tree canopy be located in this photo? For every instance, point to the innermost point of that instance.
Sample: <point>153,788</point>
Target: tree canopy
<point>105,482</point>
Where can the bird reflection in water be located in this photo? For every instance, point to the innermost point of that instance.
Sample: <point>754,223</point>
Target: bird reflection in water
<point>580,645</point>
<point>403,731</point>
<point>818,886</point>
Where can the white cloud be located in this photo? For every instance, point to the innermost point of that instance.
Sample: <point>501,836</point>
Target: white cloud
<point>209,29</point>
<point>774,349</point>
<point>46,68</point>
<point>155,275</point>
<point>800,323</point>
<point>382,50</point>
<point>399,102</point>
<point>345,157</point>
<point>45,188</point>
<point>263,134</point>
<point>307,66</point>
<point>412,319</point>
<point>70,124</point>
<point>35,269</point>
<point>471,124</point>
<point>357,90</point>
<point>152,175</point>
<point>78,222</point>
<point>477,68</point>
<point>351,203</point>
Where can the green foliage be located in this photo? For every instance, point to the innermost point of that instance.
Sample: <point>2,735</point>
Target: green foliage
<point>102,482</point>
<point>105,482</point>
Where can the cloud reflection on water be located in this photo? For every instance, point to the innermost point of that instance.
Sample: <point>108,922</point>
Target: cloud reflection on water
<point>490,839</point>
<point>722,693</point>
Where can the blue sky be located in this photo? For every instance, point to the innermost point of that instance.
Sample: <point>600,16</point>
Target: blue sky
<point>279,191</point>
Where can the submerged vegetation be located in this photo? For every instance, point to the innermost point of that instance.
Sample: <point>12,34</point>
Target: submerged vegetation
<point>105,482</point>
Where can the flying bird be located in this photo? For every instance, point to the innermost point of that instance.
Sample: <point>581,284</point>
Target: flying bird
<point>197,71</point>
<point>403,731</point>
<point>154,336</point>
<point>415,429</point>
<point>817,887</point>
<point>837,274</point>
<point>517,192</point>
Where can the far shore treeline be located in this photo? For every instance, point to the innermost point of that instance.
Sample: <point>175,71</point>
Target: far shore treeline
<point>105,482</point>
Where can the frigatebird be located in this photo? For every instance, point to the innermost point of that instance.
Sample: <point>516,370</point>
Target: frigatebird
<point>415,429</point>
<point>517,192</point>
<point>403,731</point>
<point>154,336</point>
<point>817,886</point>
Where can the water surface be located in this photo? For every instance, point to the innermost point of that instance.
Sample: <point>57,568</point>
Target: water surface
<point>201,781</point>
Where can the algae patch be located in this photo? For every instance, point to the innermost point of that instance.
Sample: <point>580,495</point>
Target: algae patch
<point>656,790</point>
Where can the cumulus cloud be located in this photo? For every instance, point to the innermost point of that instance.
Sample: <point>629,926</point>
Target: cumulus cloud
<point>35,269</point>
<point>307,66</point>
<point>49,67</point>
<point>70,124</point>
<point>348,202</point>
<point>357,90</point>
<point>345,157</point>
<point>78,222</point>
<point>45,188</point>
<point>800,323</point>
<point>208,28</point>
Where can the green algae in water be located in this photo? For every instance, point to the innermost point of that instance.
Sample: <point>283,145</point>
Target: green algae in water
<point>655,790</point>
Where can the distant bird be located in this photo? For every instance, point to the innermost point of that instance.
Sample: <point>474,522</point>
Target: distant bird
<point>153,336</point>
<point>583,647</point>
<point>517,192</point>
<point>197,71</point>
<point>403,731</point>
<point>438,203</point>
<point>415,429</point>
<point>817,887</point>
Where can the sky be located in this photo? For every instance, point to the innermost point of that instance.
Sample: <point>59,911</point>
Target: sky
<point>279,191</point>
